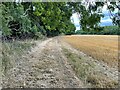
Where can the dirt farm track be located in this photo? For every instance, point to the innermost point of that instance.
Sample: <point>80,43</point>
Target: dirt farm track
<point>74,61</point>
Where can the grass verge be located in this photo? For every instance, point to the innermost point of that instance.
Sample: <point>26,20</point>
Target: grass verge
<point>12,52</point>
<point>85,71</point>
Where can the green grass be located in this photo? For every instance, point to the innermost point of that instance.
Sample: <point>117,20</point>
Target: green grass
<point>79,65</point>
<point>0,63</point>
<point>86,72</point>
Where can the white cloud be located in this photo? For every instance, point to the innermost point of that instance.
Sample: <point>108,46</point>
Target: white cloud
<point>106,20</point>
<point>77,28</point>
<point>75,18</point>
<point>105,11</point>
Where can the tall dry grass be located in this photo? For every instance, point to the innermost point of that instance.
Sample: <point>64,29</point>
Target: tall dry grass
<point>12,52</point>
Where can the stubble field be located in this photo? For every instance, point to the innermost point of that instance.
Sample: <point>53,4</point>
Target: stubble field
<point>101,47</point>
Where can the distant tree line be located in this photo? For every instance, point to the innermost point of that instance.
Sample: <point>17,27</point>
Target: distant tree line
<point>106,30</point>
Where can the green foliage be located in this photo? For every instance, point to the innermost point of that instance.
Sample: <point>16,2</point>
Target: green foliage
<point>3,21</point>
<point>89,19</point>
<point>49,18</point>
<point>111,30</point>
<point>111,7</point>
<point>70,29</point>
<point>54,17</point>
<point>107,30</point>
<point>14,23</point>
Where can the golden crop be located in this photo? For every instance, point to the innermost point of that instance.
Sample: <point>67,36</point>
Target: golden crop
<point>101,47</point>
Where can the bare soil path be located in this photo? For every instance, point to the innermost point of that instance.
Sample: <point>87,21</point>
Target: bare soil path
<point>44,66</point>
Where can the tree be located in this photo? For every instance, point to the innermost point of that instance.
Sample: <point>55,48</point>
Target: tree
<point>90,13</point>
<point>16,22</point>
<point>111,6</point>
<point>49,18</point>
<point>53,16</point>
<point>89,19</point>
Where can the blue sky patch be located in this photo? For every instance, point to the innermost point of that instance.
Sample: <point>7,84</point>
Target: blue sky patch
<point>106,21</point>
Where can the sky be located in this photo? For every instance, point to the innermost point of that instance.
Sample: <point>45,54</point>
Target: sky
<point>75,20</point>
<point>106,21</point>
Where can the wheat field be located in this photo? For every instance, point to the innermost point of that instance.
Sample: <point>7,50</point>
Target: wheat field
<point>101,47</point>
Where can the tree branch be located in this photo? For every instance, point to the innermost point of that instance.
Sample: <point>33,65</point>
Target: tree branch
<point>25,13</point>
<point>109,11</point>
<point>118,6</point>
